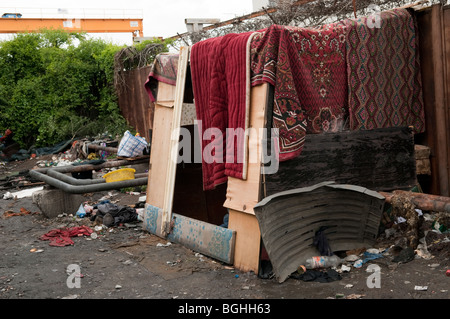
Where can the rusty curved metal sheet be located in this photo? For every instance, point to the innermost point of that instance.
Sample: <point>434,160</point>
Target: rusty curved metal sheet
<point>289,220</point>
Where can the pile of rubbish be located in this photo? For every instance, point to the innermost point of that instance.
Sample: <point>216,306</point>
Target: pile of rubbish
<point>69,151</point>
<point>86,151</point>
<point>92,220</point>
<point>108,214</point>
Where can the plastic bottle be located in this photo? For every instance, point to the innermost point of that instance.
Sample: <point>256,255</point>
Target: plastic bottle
<point>322,262</point>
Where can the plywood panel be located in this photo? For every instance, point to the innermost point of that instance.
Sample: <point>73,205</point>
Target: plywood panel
<point>380,159</point>
<point>247,242</point>
<point>166,94</point>
<point>160,155</point>
<point>242,195</point>
<point>134,102</point>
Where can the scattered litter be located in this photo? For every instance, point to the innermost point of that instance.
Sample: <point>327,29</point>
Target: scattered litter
<point>8,195</point>
<point>345,268</point>
<point>22,194</point>
<point>354,296</point>
<point>99,228</point>
<point>112,214</point>
<point>421,288</point>
<point>406,255</point>
<point>351,258</point>
<point>389,232</point>
<point>422,251</point>
<point>172,263</point>
<point>164,245</point>
<point>318,275</point>
<point>23,211</point>
<point>356,252</point>
<point>61,237</point>
<point>141,213</point>
<point>348,286</point>
<point>81,212</point>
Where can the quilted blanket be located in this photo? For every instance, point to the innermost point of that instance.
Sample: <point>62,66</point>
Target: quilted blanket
<point>164,69</point>
<point>307,68</point>
<point>220,81</point>
<point>384,72</point>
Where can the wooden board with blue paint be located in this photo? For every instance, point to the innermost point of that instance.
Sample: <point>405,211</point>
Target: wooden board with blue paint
<point>208,239</point>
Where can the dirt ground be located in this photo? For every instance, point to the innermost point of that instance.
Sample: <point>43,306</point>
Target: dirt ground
<point>127,262</point>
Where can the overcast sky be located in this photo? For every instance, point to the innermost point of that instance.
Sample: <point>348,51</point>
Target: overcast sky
<point>162,18</point>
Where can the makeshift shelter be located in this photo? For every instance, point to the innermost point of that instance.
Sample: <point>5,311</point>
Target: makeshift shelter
<point>357,130</point>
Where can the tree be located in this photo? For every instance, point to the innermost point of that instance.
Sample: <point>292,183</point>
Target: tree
<point>56,85</point>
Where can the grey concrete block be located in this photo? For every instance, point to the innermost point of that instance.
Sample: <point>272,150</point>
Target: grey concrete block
<point>53,202</point>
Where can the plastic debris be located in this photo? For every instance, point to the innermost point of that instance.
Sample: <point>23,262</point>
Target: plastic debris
<point>81,213</point>
<point>421,288</point>
<point>163,245</point>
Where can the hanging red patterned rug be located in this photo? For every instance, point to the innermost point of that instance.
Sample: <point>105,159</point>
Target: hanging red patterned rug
<point>307,68</point>
<point>385,88</point>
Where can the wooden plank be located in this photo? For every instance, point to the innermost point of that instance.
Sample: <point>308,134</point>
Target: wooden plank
<point>134,102</point>
<point>381,159</point>
<point>159,156</point>
<point>173,142</point>
<point>242,195</point>
<point>211,240</point>
<point>166,94</point>
<point>248,240</point>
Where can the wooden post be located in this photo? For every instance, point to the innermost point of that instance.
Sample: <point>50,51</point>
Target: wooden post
<point>174,138</point>
<point>426,202</point>
<point>440,126</point>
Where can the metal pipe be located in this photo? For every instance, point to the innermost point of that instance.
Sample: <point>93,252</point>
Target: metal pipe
<point>75,181</point>
<point>87,167</point>
<point>81,189</point>
<point>55,177</point>
<point>103,148</point>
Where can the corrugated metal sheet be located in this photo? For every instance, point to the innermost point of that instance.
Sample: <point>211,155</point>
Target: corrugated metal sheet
<point>289,220</point>
<point>134,102</point>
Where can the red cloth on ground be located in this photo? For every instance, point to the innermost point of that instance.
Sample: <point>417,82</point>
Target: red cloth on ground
<point>61,237</point>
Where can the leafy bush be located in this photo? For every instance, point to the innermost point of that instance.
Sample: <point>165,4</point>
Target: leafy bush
<point>56,85</point>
